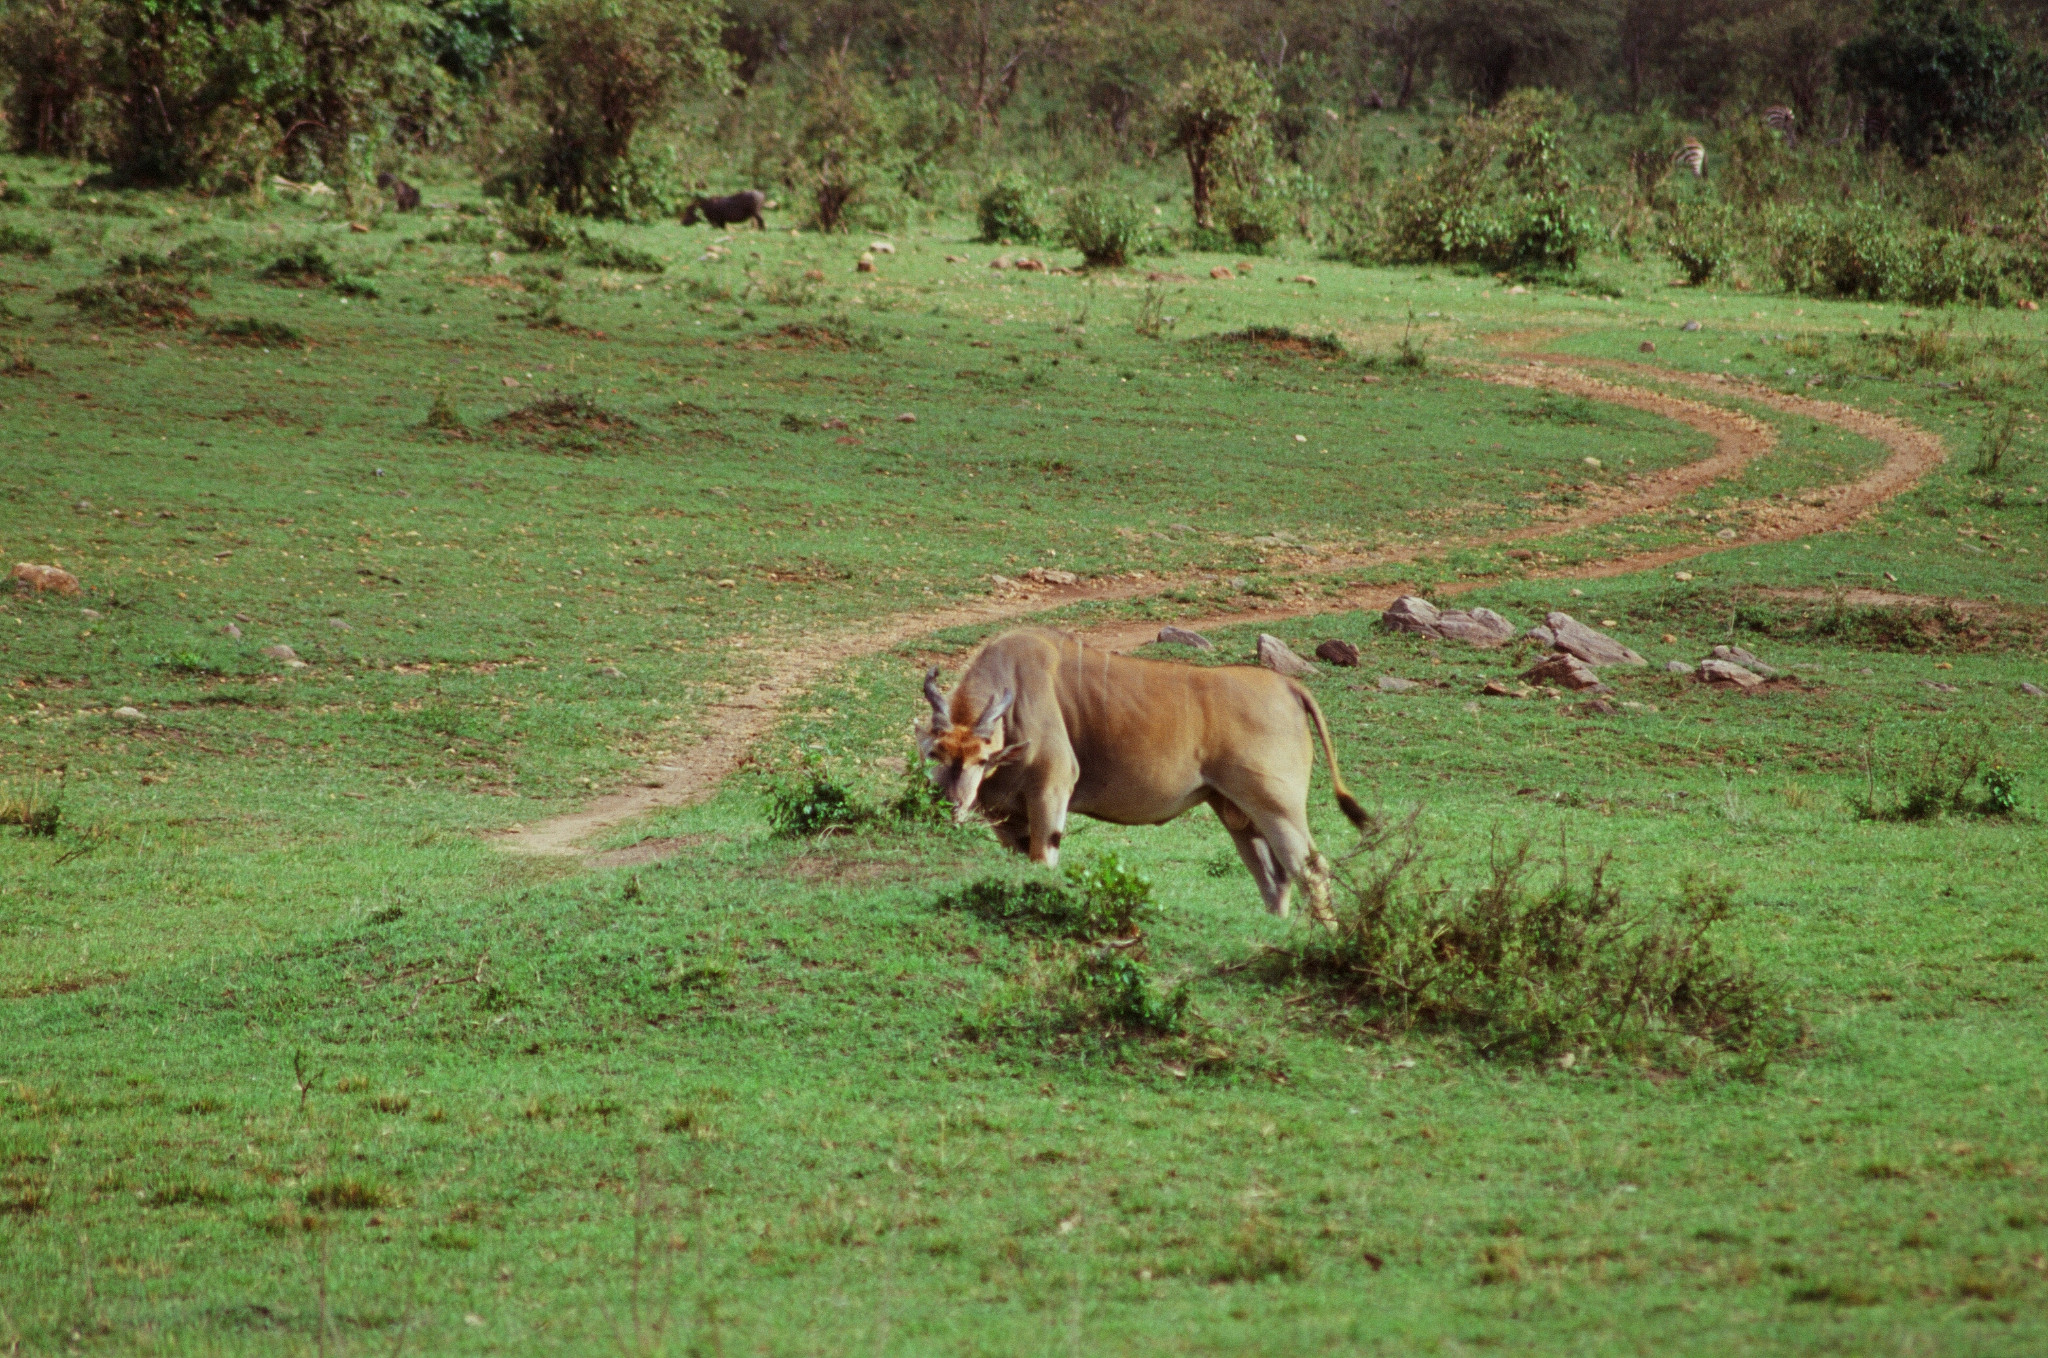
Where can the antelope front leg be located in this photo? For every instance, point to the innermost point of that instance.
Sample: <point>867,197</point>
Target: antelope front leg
<point>1048,825</point>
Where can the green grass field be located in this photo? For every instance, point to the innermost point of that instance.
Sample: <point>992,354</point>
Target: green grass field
<point>299,1059</point>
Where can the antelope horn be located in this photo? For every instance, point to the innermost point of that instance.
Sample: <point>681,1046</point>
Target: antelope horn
<point>993,716</point>
<point>941,719</point>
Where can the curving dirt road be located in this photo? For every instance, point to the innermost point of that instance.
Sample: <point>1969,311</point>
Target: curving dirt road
<point>733,725</point>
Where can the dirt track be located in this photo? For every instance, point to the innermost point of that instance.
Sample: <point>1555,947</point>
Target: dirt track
<point>733,725</point>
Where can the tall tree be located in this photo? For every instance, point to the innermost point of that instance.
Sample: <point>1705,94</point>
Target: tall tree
<point>1937,75</point>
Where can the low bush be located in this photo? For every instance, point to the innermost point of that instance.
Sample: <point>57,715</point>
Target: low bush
<point>142,300</point>
<point>1107,227</point>
<point>1100,994</point>
<point>36,811</point>
<point>814,804</point>
<point>306,265</point>
<point>25,240</point>
<point>1009,209</point>
<point>1925,774</point>
<point>535,225</point>
<point>1103,898</point>
<point>1997,443</point>
<point>1533,974</point>
<point>250,330</point>
<point>463,231</point>
<point>598,253</point>
<point>1700,237</point>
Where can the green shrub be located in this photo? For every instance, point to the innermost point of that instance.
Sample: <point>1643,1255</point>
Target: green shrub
<point>354,285</point>
<point>1009,211</point>
<point>812,804</point>
<point>1102,994</point>
<point>1104,897</point>
<point>1107,227</point>
<point>25,240</point>
<point>1701,238</point>
<point>250,330</point>
<point>463,231</point>
<point>535,224</point>
<point>1253,218</point>
<point>1996,443</point>
<point>1220,118</point>
<point>1532,973</point>
<point>141,300</point>
<point>306,265</point>
<point>35,812</point>
<point>598,253</point>
<point>1927,773</point>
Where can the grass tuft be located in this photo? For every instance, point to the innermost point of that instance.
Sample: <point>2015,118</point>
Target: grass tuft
<point>249,330</point>
<point>347,1195</point>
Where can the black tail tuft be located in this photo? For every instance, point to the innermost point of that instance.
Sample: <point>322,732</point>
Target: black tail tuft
<point>1353,812</point>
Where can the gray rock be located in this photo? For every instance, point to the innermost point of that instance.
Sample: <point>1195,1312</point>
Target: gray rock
<point>1410,614</point>
<point>1735,655</point>
<point>232,631</point>
<point>1677,667</point>
<point>1690,326</point>
<point>280,651</point>
<point>1939,687</point>
<point>612,672</point>
<point>1565,670</point>
<point>128,713</point>
<point>340,625</point>
<point>1180,636</point>
<point>1390,684</point>
<point>91,614</point>
<point>2034,690</point>
<point>1338,653</point>
<point>1274,655</point>
<point>1480,627</point>
<point>1727,674</point>
<point>1595,648</point>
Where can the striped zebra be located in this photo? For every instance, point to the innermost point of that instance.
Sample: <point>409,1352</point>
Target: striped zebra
<point>1692,156</point>
<point>1781,119</point>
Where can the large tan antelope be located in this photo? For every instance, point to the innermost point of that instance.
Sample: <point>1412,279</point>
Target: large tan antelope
<point>1042,724</point>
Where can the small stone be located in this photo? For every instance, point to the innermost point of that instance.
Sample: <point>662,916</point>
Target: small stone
<point>1305,278</point>
<point>128,713</point>
<point>1000,262</point>
<point>1390,684</point>
<point>1682,575</point>
<point>1029,266</point>
<point>1221,273</point>
<point>280,651</point>
<point>1338,653</point>
<point>1565,670</point>
<point>1040,575</point>
<point>882,247</point>
<point>865,264</point>
<point>1670,639</point>
<point>612,672</point>
<point>1496,689</point>
<point>1517,290</point>
<point>2034,690</point>
<point>1274,655</point>
<point>1180,636</point>
<point>82,506</point>
<point>1690,326</point>
<point>295,664</point>
<point>1480,627</point>
<point>241,617</point>
<point>1677,667</point>
<point>1728,675</point>
<point>30,578</point>
<point>1735,655</point>
<point>340,625</point>
<point>1726,535</point>
<point>91,614</point>
<point>906,418</point>
<point>1939,687</point>
<point>232,631</point>
<point>1646,348</point>
<point>509,381</point>
<point>1597,707</point>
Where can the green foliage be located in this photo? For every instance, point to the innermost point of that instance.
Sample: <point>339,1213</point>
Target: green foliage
<point>250,330</point>
<point>1939,75</point>
<point>48,51</point>
<point>535,224</point>
<point>1104,897</point>
<point>1009,209</point>
<point>25,240</point>
<point>1106,226</point>
<point>1503,195</point>
<point>1928,771</point>
<point>132,299</point>
<point>846,156</point>
<point>594,73</point>
<point>1532,974</point>
<point>1219,118</point>
<point>2001,792</point>
<point>813,803</point>
<point>1101,995</point>
<point>306,265</point>
<point>35,811</point>
<point>595,252</point>
<point>1996,443</point>
<point>1700,236</point>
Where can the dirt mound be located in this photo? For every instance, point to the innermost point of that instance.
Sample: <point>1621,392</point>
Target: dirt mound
<point>806,335</point>
<point>561,414</point>
<point>1279,341</point>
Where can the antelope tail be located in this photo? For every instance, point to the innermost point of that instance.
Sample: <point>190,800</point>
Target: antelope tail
<point>1346,803</point>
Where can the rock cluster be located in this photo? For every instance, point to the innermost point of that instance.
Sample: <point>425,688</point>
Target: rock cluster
<point>1477,627</point>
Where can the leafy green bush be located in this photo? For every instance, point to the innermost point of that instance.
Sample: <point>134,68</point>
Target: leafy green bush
<point>1009,210</point>
<point>535,224</point>
<point>598,253</point>
<point>1924,774</point>
<point>1220,118</point>
<point>1107,227</point>
<point>250,330</point>
<point>25,240</point>
<point>143,300</point>
<point>1253,217</point>
<point>1532,973</point>
<point>463,231</point>
<point>305,265</point>
<point>1504,194</point>
<point>1701,238</point>
<point>1099,994</point>
<point>1104,897</point>
<point>812,804</point>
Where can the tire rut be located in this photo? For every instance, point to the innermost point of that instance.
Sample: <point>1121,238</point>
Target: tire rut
<point>733,725</point>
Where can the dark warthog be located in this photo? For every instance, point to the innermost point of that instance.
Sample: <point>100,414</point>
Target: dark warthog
<point>744,206</point>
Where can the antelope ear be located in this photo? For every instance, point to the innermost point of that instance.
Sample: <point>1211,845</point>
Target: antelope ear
<point>1009,754</point>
